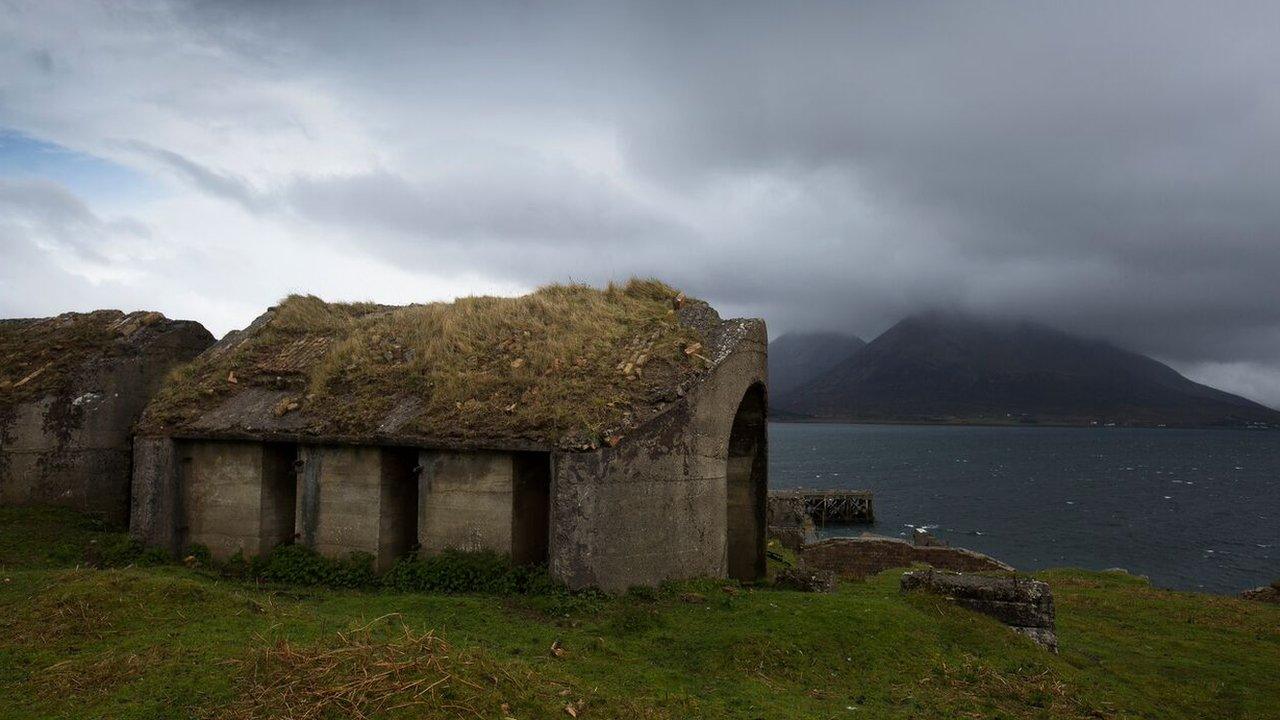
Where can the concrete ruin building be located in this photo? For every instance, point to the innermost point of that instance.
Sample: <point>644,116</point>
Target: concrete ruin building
<point>616,435</point>
<point>71,389</point>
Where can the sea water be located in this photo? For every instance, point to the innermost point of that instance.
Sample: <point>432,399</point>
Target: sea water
<point>1191,509</point>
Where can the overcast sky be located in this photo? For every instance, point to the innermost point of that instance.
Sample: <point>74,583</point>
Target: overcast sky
<point>1109,168</point>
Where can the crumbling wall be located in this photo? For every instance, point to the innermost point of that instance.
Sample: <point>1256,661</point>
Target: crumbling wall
<point>70,444</point>
<point>856,558</point>
<point>789,521</point>
<point>654,507</point>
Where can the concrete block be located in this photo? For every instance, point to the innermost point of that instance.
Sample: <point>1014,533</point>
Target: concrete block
<point>357,499</point>
<point>466,501</point>
<point>237,496</point>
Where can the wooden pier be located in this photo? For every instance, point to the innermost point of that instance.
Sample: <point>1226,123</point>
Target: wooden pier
<point>838,507</point>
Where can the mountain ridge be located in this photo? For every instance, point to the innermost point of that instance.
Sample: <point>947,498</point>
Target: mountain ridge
<point>797,358</point>
<point>943,367</point>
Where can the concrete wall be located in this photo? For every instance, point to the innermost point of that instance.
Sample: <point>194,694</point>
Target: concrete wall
<point>155,511</point>
<point>357,499</point>
<point>236,497</point>
<point>465,501</point>
<point>74,448</point>
<point>495,501</point>
<point>655,507</point>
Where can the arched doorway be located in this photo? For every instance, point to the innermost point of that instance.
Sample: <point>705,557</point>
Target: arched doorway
<point>746,487</point>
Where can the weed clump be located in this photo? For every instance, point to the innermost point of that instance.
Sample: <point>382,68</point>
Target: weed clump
<point>300,565</point>
<point>455,572</point>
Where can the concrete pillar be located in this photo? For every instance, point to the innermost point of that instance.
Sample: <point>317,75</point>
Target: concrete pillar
<point>154,513</point>
<point>357,499</point>
<point>237,496</point>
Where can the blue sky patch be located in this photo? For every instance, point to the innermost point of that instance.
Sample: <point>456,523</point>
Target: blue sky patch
<point>92,178</point>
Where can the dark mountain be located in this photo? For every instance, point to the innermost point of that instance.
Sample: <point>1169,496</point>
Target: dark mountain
<point>941,367</point>
<point>798,358</point>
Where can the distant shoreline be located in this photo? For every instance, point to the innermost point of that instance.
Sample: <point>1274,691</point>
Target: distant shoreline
<point>794,420</point>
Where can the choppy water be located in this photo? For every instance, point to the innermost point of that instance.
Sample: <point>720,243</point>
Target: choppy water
<point>1191,509</point>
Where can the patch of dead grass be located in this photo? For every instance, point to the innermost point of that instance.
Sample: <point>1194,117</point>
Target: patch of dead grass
<point>360,675</point>
<point>970,688</point>
<point>88,677</point>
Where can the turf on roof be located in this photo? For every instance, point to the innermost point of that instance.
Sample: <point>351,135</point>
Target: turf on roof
<point>566,365</point>
<point>40,357</point>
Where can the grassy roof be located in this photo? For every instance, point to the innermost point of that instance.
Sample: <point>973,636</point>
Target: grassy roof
<point>564,365</point>
<point>42,356</point>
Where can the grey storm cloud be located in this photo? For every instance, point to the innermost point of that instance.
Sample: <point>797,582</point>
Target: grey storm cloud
<point>1110,168</point>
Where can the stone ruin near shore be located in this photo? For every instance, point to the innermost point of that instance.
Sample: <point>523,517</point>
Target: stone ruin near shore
<point>618,436</point>
<point>71,389</point>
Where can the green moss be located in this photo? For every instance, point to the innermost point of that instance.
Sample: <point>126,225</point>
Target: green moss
<point>171,641</point>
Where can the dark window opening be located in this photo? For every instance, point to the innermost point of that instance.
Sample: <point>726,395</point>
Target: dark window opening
<point>399,527</point>
<point>531,508</point>
<point>279,495</point>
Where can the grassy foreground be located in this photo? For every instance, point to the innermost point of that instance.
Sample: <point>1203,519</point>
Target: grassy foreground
<point>171,642</point>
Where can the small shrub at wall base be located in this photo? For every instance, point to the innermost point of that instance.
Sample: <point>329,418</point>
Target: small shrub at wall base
<point>468,572</point>
<point>300,565</point>
<point>122,551</point>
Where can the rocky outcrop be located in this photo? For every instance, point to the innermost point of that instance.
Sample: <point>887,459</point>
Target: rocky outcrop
<point>1266,593</point>
<point>71,389</point>
<point>806,580</point>
<point>1023,604</point>
<point>856,558</point>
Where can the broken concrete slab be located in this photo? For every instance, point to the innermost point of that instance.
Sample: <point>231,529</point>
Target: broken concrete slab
<point>856,558</point>
<point>1023,604</point>
<point>806,580</point>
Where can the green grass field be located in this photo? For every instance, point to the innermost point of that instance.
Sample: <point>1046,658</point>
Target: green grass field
<point>172,642</point>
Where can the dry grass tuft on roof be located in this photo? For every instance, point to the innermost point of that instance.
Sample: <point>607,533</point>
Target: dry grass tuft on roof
<point>40,357</point>
<point>564,365</point>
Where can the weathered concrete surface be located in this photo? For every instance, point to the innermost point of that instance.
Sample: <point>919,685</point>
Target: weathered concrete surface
<point>236,497</point>
<point>856,558</point>
<point>656,506</point>
<point>155,511</point>
<point>465,501</point>
<point>70,444</point>
<point>357,499</point>
<point>1023,604</point>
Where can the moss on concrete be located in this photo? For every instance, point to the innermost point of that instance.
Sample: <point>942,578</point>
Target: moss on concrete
<point>43,356</point>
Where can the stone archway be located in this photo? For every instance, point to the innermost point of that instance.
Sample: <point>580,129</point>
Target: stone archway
<point>747,487</point>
